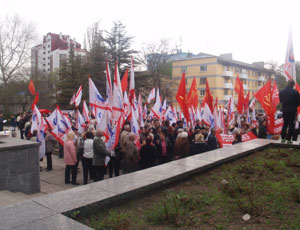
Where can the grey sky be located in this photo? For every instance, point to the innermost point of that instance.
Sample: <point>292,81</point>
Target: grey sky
<point>253,30</point>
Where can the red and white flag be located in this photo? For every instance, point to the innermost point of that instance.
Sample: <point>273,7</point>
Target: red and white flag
<point>157,107</point>
<point>85,112</point>
<point>289,68</point>
<point>78,96</point>
<point>151,96</point>
<point>80,124</point>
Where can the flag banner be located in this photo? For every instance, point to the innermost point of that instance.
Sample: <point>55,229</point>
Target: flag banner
<point>157,107</point>
<point>80,123</point>
<point>95,98</point>
<point>124,82</point>
<point>151,96</point>
<point>31,88</point>
<point>192,97</point>
<point>289,68</point>
<point>72,101</point>
<point>208,98</point>
<point>85,112</point>
<point>228,139</point>
<point>78,96</point>
<point>181,97</point>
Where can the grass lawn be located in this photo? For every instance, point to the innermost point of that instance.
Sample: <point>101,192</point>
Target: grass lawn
<point>265,185</point>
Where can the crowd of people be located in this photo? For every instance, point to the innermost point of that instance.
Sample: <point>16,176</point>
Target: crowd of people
<point>159,142</point>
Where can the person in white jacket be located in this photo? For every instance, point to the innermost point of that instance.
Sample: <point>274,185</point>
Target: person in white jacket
<point>87,157</point>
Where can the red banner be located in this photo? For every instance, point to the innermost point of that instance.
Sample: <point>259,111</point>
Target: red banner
<point>228,139</point>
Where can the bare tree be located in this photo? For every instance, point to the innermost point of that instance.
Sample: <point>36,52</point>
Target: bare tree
<point>16,40</point>
<point>156,58</point>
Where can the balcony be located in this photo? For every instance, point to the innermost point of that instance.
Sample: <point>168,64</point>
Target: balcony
<point>228,86</point>
<point>261,78</point>
<point>243,76</point>
<point>226,97</point>
<point>227,73</point>
<point>245,87</point>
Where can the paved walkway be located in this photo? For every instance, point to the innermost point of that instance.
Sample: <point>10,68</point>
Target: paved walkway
<point>51,182</point>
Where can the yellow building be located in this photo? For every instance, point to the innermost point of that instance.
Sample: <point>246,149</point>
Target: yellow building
<point>221,72</point>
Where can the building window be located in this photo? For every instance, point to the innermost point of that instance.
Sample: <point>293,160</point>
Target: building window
<point>203,68</point>
<point>183,69</point>
<point>48,52</point>
<point>44,59</point>
<point>48,46</point>
<point>237,70</point>
<point>226,91</point>
<point>203,81</point>
<point>48,69</point>
<point>44,65</point>
<point>202,92</point>
<point>44,53</point>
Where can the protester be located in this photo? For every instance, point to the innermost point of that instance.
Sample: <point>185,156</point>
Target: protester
<point>199,146</point>
<point>100,153</point>
<point>70,159</point>
<point>1,122</point>
<point>237,138</point>
<point>148,153</point>
<point>164,149</point>
<point>181,148</point>
<point>50,142</point>
<point>289,98</point>
<point>131,156</point>
<point>212,140</point>
<point>87,157</point>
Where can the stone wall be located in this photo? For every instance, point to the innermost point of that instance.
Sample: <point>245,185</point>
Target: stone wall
<point>19,165</point>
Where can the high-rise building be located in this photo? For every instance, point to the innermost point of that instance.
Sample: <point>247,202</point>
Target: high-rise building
<point>48,56</point>
<point>220,72</point>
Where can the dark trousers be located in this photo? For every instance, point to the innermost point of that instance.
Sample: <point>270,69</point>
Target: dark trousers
<point>73,169</point>
<point>163,159</point>
<point>288,123</point>
<point>99,173</point>
<point>113,165</point>
<point>49,160</point>
<point>61,151</point>
<point>22,133</point>
<point>88,169</point>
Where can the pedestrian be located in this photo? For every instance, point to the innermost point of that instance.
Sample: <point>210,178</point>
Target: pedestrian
<point>70,159</point>
<point>212,140</point>
<point>199,146</point>
<point>100,153</point>
<point>1,122</point>
<point>181,148</point>
<point>87,157</point>
<point>148,153</point>
<point>50,142</point>
<point>164,149</point>
<point>131,156</point>
<point>289,98</point>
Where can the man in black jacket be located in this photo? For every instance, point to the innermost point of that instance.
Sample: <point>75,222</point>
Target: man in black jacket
<point>289,98</point>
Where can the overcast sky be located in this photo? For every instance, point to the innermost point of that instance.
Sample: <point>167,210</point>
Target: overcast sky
<point>253,30</point>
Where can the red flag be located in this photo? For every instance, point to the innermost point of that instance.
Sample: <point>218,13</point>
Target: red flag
<point>216,104</point>
<point>181,98</point>
<point>275,94</point>
<point>208,98</point>
<point>240,92</point>
<point>31,87</point>
<point>36,99</point>
<point>264,97</point>
<point>192,98</point>
<point>124,82</point>
<point>246,101</point>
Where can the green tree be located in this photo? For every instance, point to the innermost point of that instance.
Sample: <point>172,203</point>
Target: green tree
<point>71,74</point>
<point>96,56</point>
<point>119,46</point>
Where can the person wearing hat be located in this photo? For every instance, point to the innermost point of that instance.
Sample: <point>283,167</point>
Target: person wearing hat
<point>289,99</point>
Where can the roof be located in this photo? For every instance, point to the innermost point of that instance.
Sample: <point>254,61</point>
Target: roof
<point>226,61</point>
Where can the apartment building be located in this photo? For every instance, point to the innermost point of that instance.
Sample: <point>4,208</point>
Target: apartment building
<point>221,72</point>
<point>48,56</point>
